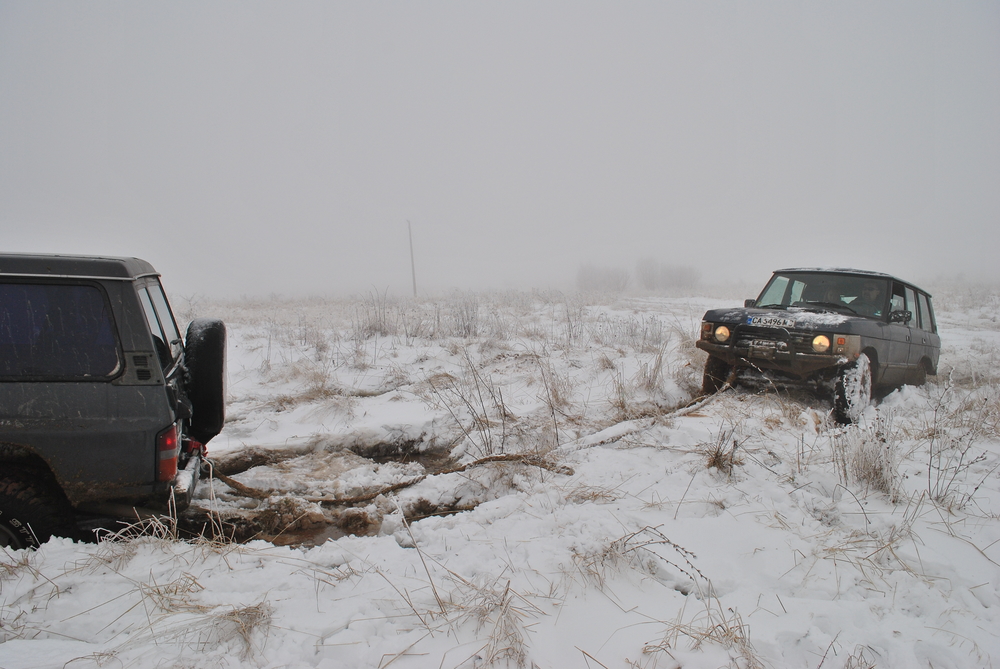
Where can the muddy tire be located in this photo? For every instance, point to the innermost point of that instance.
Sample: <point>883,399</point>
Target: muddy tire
<point>717,371</point>
<point>205,357</point>
<point>853,391</point>
<point>30,513</point>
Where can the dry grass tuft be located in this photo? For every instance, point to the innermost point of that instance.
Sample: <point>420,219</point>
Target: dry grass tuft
<point>243,624</point>
<point>862,657</point>
<point>175,596</point>
<point>713,626</point>
<point>646,550</point>
<point>116,549</point>
<point>721,455</point>
<point>501,611</point>
<point>588,494</point>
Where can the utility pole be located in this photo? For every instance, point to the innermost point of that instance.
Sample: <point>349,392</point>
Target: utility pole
<point>413,266</point>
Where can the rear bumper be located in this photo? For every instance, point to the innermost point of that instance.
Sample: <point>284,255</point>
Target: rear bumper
<point>186,481</point>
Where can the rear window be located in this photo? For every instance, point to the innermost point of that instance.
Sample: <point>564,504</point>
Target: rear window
<point>56,331</point>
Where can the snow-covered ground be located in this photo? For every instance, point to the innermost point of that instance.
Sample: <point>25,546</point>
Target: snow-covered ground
<point>747,531</point>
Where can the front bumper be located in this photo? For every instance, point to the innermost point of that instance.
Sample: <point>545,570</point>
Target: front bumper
<point>771,356</point>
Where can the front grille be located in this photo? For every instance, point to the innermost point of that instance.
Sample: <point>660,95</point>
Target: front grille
<point>796,342</point>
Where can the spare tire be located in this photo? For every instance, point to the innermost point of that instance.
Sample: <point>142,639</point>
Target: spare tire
<point>205,357</point>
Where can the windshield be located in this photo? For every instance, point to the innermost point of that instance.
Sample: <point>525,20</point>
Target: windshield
<point>823,291</point>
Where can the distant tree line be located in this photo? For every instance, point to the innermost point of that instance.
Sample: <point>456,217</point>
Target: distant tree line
<point>651,275</point>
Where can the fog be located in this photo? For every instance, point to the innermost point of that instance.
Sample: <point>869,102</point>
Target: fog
<point>259,148</point>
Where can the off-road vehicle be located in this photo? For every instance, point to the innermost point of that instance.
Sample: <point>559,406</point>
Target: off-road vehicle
<point>103,406</point>
<point>843,330</point>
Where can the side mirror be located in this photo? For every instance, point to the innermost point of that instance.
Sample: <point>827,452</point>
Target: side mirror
<point>749,303</point>
<point>900,317</point>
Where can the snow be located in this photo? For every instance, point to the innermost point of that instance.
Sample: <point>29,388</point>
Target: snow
<point>631,552</point>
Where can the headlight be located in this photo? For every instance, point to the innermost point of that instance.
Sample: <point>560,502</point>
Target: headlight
<point>821,343</point>
<point>722,334</point>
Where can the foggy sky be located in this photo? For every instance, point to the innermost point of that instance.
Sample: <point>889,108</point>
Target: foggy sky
<point>259,148</point>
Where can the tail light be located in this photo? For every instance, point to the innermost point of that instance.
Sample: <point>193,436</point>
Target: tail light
<point>166,449</point>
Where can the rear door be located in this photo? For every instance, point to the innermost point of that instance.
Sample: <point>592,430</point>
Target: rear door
<point>925,336</point>
<point>899,339</point>
<point>918,338</point>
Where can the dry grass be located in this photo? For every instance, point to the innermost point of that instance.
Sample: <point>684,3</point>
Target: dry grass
<point>712,626</point>
<point>502,613</point>
<point>646,550</point>
<point>870,456</point>
<point>961,422</point>
<point>722,455</point>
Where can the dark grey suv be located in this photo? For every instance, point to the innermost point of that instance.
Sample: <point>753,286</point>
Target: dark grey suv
<point>847,330</point>
<point>103,406</point>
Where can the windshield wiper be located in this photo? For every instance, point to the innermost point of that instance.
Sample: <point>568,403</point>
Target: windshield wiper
<point>771,306</point>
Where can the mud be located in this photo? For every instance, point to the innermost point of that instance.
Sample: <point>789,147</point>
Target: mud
<point>285,518</point>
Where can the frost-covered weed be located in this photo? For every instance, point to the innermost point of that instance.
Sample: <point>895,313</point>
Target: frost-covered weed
<point>961,423</point>
<point>870,455</point>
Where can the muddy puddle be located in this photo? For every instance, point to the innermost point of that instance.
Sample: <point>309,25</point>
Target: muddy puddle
<point>291,498</point>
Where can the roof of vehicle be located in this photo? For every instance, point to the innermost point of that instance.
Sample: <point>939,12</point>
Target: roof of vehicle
<point>52,265</point>
<point>848,270</point>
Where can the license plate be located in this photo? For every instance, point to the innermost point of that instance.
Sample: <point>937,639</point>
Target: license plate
<point>771,321</point>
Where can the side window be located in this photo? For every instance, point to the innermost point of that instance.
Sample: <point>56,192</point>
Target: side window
<point>166,319</point>
<point>159,338</point>
<point>898,302</point>
<point>50,330</point>
<point>926,315</point>
<point>911,306</point>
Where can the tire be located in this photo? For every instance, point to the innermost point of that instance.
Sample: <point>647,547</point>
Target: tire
<point>854,391</point>
<point>205,357</point>
<point>717,371</point>
<point>30,513</point>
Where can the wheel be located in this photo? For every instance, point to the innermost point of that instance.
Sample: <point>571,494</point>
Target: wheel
<point>205,357</point>
<point>717,371</point>
<point>30,513</point>
<point>854,390</point>
<point>919,376</point>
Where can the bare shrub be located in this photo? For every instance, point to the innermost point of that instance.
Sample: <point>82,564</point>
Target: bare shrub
<point>957,425</point>
<point>870,455</point>
<point>373,317</point>
<point>465,315</point>
<point>477,406</point>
